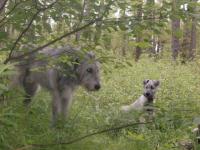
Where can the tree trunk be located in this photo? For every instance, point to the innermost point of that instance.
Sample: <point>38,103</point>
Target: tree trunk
<point>186,41</point>
<point>138,49</point>
<point>152,49</point>
<point>97,35</point>
<point>151,14</point>
<point>2,11</point>
<point>175,25</point>
<point>125,43</point>
<point>175,43</point>
<point>193,39</point>
<point>85,13</point>
<point>193,34</point>
<point>2,5</point>
<point>125,37</point>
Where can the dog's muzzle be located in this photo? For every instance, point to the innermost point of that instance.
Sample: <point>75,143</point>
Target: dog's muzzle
<point>149,97</point>
<point>97,86</point>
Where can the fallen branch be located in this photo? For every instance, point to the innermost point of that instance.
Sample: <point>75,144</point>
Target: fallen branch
<point>82,137</point>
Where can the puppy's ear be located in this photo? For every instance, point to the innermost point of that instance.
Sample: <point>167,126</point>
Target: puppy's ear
<point>91,55</point>
<point>145,81</point>
<point>156,83</point>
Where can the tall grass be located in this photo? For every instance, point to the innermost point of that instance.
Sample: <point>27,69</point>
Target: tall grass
<point>177,103</point>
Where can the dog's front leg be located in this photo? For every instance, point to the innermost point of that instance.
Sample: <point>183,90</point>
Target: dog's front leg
<point>66,101</point>
<point>56,106</point>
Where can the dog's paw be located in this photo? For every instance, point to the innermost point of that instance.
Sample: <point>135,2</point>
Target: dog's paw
<point>125,109</point>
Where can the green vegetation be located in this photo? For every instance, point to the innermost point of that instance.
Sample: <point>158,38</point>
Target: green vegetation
<point>178,103</point>
<point>134,40</point>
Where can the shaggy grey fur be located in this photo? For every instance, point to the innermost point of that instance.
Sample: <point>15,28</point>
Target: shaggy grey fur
<point>60,78</point>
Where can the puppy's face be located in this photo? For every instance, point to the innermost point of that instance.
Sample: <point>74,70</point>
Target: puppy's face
<point>150,87</point>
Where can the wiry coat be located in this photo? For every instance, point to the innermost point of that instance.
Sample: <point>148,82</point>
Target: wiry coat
<point>60,78</point>
<point>150,87</point>
<point>145,101</point>
<point>137,105</point>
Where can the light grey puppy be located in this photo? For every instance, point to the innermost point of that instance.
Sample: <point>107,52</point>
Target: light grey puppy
<point>61,79</point>
<point>147,98</point>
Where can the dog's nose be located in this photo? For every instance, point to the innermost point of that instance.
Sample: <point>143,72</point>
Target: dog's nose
<point>147,94</point>
<point>97,86</point>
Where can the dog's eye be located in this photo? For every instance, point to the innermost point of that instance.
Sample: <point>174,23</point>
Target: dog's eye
<point>152,87</point>
<point>89,70</point>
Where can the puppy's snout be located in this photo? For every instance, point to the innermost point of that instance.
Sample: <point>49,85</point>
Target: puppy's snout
<point>97,86</point>
<point>147,94</point>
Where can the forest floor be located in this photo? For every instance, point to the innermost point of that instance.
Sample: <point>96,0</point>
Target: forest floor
<point>177,103</point>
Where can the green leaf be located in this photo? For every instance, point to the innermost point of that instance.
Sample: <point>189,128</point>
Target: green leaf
<point>3,35</point>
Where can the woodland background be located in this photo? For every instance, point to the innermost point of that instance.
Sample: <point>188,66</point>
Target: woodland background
<point>136,40</point>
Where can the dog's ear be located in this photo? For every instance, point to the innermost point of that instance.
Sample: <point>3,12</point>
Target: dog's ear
<point>145,81</point>
<point>91,55</point>
<point>156,83</point>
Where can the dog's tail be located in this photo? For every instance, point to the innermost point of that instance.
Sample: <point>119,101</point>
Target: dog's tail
<point>22,68</point>
<point>19,77</point>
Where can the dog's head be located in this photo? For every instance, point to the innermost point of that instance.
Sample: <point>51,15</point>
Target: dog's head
<point>150,87</point>
<point>88,72</point>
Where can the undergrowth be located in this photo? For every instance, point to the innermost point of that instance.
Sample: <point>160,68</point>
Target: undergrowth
<point>177,103</point>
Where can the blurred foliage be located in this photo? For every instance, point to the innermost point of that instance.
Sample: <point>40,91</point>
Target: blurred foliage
<point>5,72</point>
<point>67,15</point>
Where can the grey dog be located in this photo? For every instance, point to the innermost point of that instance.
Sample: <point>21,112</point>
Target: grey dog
<point>61,79</point>
<point>147,98</point>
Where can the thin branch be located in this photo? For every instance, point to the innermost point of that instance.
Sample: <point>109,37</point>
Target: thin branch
<point>59,38</point>
<point>25,30</point>
<point>6,15</point>
<point>21,35</point>
<point>83,137</point>
<point>51,42</point>
<point>3,5</point>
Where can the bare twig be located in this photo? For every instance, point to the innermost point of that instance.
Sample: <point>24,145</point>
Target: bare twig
<point>59,38</point>
<point>83,137</point>
<point>25,30</point>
